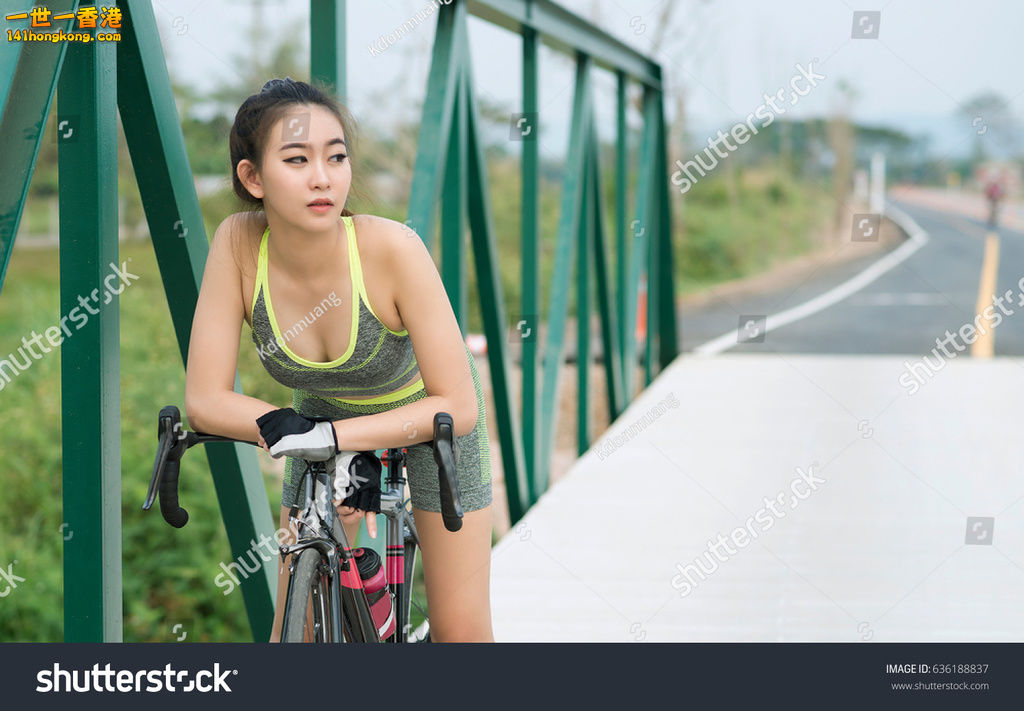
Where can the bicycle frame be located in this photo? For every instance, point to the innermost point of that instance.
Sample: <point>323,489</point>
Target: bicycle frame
<point>346,612</point>
<point>392,505</point>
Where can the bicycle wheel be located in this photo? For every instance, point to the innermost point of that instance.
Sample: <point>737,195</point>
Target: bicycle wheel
<point>307,601</point>
<point>414,596</point>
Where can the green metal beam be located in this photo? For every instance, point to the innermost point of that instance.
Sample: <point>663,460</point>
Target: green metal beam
<point>639,237</point>
<point>666,319</point>
<point>10,52</point>
<point>435,126</point>
<point>566,32</point>
<point>606,305</point>
<point>568,224</point>
<point>90,364</point>
<point>527,326</point>
<point>492,308</point>
<point>621,254</point>
<point>659,235</point>
<point>654,236</point>
<point>327,44</point>
<point>584,240</point>
<point>157,148</point>
<point>28,71</point>
<point>453,211</point>
<point>661,347</point>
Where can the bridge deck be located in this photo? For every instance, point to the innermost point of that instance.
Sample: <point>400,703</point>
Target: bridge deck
<point>875,551</point>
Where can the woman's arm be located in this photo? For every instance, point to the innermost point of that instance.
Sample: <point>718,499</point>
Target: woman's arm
<point>211,404</point>
<point>437,342</point>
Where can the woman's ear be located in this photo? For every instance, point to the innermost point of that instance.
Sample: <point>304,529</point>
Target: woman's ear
<point>250,178</point>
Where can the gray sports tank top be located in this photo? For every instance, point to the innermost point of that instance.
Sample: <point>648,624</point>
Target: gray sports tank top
<point>378,360</point>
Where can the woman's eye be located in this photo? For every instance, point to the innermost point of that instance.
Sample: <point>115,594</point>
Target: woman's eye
<point>342,156</point>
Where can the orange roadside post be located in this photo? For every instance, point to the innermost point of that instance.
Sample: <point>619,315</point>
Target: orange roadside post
<point>641,311</point>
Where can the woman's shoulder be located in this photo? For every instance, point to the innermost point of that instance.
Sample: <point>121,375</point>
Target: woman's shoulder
<point>237,240</point>
<point>249,223</point>
<point>241,227</point>
<point>381,237</point>
<point>242,230</point>
<point>375,224</point>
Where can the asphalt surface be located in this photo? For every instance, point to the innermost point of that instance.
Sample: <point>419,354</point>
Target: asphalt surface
<point>902,312</point>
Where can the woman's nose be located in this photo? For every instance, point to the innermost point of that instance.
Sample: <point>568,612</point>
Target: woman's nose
<point>319,177</point>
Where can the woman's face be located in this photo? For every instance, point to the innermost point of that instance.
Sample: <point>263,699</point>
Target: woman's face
<point>305,159</point>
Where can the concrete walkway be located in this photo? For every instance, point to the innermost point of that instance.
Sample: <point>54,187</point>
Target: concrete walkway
<point>838,505</point>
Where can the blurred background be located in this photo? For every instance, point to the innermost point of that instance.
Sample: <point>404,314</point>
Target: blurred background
<point>931,92</point>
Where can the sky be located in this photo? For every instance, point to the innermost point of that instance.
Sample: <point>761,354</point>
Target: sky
<point>722,56</point>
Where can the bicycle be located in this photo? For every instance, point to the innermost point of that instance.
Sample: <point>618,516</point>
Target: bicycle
<point>323,575</point>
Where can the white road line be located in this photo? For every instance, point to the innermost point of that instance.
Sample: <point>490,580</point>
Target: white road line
<point>902,298</point>
<point>918,238</point>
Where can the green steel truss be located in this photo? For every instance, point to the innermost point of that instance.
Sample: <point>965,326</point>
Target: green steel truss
<point>449,172</point>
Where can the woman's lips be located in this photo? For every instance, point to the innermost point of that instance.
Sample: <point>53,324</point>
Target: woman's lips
<point>321,208</point>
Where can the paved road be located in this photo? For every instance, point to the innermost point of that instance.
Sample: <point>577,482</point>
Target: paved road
<point>901,312</point>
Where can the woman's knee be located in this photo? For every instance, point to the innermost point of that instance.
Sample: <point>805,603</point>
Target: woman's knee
<point>461,631</point>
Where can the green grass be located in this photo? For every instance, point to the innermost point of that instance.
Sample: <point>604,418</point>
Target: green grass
<point>168,574</point>
<point>775,220</point>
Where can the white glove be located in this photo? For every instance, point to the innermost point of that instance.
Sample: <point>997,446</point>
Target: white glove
<point>288,433</point>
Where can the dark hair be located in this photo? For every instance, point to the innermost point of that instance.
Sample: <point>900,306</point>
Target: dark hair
<point>259,112</point>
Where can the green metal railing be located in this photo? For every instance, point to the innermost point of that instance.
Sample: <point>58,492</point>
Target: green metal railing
<point>96,81</point>
<point>450,169</point>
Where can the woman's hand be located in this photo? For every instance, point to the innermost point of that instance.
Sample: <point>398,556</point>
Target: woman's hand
<point>290,434</point>
<point>357,488</point>
<point>350,515</point>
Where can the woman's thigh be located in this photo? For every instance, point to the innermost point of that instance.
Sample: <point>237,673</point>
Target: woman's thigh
<point>457,574</point>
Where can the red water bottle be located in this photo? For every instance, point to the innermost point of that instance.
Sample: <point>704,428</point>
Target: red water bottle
<point>375,584</point>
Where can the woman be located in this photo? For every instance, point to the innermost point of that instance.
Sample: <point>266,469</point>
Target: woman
<point>360,327</point>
